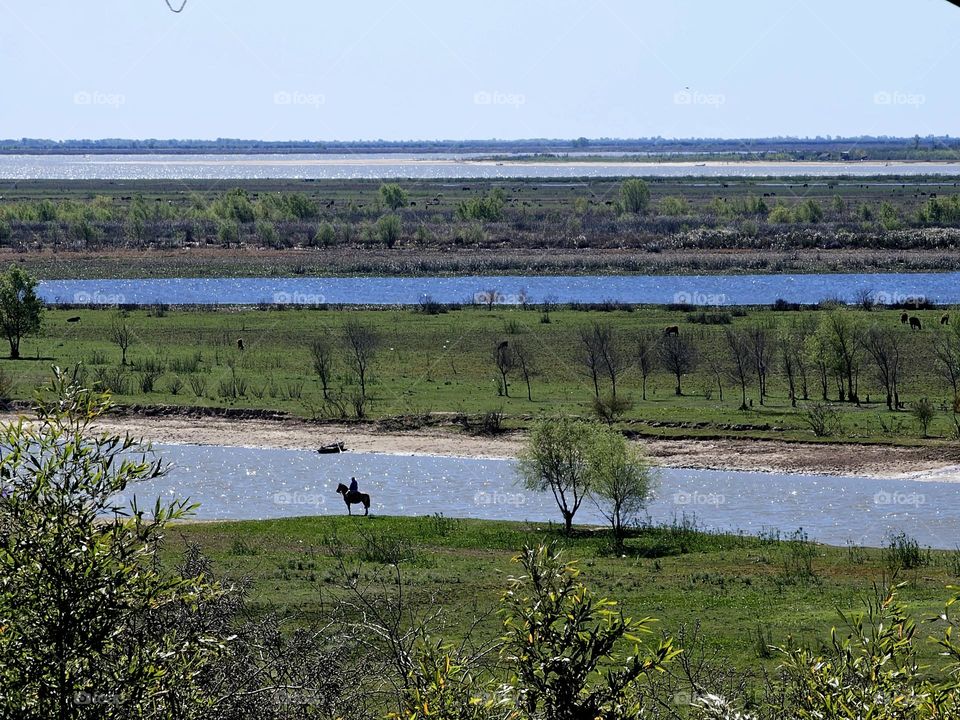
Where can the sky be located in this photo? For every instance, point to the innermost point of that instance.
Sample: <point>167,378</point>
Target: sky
<point>408,70</point>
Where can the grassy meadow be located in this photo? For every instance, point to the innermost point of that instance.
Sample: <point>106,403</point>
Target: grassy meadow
<point>433,368</point>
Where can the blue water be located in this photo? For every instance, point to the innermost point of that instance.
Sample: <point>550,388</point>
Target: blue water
<point>246,483</point>
<point>887,288</point>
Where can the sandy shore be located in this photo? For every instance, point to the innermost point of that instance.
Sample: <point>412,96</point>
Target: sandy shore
<point>922,463</point>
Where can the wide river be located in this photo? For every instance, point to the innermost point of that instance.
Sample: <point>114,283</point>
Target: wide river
<point>246,483</point>
<point>427,165</point>
<point>886,288</point>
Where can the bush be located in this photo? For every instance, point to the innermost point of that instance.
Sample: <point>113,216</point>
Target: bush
<point>923,412</point>
<point>822,418</point>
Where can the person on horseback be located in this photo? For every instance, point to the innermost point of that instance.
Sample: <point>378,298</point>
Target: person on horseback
<point>354,487</point>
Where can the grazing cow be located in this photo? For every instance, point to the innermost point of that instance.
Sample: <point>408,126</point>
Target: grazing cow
<point>503,345</point>
<point>239,343</point>
<point>915,324</point>
<point>672,330</point>
<point>903,318</point>
<point>73,318</point>
<point>945,319</point>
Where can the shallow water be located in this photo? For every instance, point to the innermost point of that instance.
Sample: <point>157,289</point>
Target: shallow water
<point>886,288</point>
<point>246,483</point>
<point>427,165</point>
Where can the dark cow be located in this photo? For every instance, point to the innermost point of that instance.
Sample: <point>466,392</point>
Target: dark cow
<point>915,324</point>
<point>903,318</point>
<point>945,319</point>
<point>239,343</point>
<point>73,318</point>
<point>672,330</point>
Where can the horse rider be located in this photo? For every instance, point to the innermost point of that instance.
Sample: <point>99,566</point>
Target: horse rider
<point>354,487</point>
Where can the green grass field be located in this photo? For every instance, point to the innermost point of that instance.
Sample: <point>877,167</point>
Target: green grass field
<point>744,591</point>
<point>433,366</point>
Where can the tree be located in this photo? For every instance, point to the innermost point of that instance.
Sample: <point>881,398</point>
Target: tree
<point>555,459</point>
<point>946,350</point>
<point>394,196</point>
<point>885,346</point>
<point>739,353</point>
<point>321,351</point>
<point>601,355</point>
<point>362,343</point>
<point>621,481</point>
<point>563,646</point>
<point>389,229</point>
<point>634,196</point>
<point>761,348</point>
<point>678,357</point>
<point>646,356</point>
<point>504,358</point>
<point>843,338</point>
<point>81,589</point>
<point>526,361</point>
<point>924,412</point>
<point>122,335</point>
<point>21,310</point>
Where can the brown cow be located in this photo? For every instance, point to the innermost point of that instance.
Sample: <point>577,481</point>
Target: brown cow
<point>915,324</point>
<point>672,330</point>
<point>945,319</point>
<point>903,318</point>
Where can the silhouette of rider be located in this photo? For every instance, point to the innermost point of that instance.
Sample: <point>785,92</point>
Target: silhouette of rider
<point>354,488</point>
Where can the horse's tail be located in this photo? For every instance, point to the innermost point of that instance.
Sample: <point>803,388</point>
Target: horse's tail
<point>365,499</point>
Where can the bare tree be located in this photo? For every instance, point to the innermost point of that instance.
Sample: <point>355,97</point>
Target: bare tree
<point>885,347</point>
<point>122,336</point>
<point>793,357</point>
<point>362,343</point>
<point>646,355</point>
<point>761,348</point>
<point>321,351</point>
<point>946,352</point>
<point>678,356</point>
<point>503,356</point>
<point>741,360</point>
<point>844,339</point>
<point>591,340</point>
<point>526,361</point>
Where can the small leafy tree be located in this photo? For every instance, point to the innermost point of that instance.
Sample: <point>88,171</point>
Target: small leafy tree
<point>555,460</point>
<point>21,309</point>
<point>564,646</point>
<point>394,196</point>
<point>621,481</point>
<point>634,196</point>
<point>80,588</point>
<point>389,230</point>
<point>924,412</point>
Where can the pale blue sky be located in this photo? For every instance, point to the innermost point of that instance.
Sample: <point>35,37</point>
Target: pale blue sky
<point>422,70</point>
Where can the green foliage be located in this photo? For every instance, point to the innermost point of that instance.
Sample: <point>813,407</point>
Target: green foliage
<point>394,196</point>
<point>889,216</point>
<point>389,230</point>
<point>80,591</point>
<point>674,205</point>
<point>923,412</point>
<point>620,478</point>
<point>780,214</point>
<point>870,670</point>
<point>634,196</point>
<point>564,646</point>
<point>21,309</point>
<point>486,208</point>
<point>235,206</point>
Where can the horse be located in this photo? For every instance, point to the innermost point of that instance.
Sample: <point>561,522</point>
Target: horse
<point>671,330</point>
<point>945,320</point>
<point>903,318</point>
<point>915,323</point>
<point>354,498</point>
